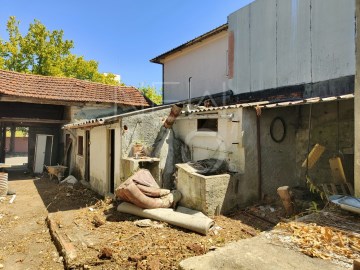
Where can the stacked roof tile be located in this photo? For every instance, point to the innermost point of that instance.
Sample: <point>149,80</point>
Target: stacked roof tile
<point>67,89</point>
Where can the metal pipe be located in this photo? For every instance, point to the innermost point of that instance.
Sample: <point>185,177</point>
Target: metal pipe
<point>206,116</point>
<point>215,150</point>
<point>258,145</point>
<point>190,89</point>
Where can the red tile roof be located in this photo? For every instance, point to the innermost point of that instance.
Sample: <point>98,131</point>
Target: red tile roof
<point>67,89</point>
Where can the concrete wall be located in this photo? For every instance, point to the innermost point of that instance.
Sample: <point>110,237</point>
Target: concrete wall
<point>226,143</point>
<point>281,162</point>
<point>206,63</point>
<point>92,111</point>
<point>357,105</point>
<point>145,129</point>
<point>235,141</point>
<point>290,42</point>
<point>278,160</point>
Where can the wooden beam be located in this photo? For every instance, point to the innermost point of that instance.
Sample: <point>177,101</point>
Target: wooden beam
<point>356,265</point>
<point>31,120</point>
<point>4,98</point>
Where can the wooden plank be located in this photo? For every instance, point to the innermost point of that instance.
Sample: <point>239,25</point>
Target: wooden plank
<point>356,265</point>
<point>284,193</point>
<point>31,120</point>
<point>350,189</point>
<point>337,170</point>
<point>314,156</point>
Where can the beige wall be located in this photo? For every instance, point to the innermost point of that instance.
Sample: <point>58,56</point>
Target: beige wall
<point>99,157</point>
<point>206,63</point>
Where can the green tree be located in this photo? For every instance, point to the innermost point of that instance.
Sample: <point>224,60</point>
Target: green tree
<point>152,94</point>
<point>11,54</point>
<point>46,52</point>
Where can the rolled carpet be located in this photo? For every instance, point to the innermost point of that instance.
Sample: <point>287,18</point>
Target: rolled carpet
<point>187,218</point>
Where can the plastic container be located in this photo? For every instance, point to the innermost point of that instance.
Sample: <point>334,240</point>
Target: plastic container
<point>3,183</point>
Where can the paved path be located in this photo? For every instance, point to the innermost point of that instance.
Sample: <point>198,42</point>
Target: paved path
<point>255,254</point>
<point>25,241</point>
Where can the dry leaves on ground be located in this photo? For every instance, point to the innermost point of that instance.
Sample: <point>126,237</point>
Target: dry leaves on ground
<point>322,241</point>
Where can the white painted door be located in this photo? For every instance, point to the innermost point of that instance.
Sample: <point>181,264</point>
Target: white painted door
<point>40,153</point>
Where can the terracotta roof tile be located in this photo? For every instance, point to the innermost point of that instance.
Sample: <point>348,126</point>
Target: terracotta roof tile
<point>67,89</point>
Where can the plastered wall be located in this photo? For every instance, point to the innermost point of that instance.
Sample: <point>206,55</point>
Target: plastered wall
<point>206,64</point>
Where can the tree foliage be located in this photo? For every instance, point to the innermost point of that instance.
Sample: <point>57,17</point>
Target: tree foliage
<point>46,52</point>
<point>152,94</point>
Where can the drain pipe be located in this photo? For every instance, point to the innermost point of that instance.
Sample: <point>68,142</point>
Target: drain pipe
<point>258,146</point>
<point>189,92</point>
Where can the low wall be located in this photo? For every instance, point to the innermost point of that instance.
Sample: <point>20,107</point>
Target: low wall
<point>21,145</point>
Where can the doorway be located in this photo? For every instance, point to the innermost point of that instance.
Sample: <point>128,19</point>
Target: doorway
<point>43,151</point>
<point>112,160</point>
<point>87,155</point>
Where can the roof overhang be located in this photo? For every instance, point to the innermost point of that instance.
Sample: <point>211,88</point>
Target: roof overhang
<point>272,104</point>
<point>159,59</point>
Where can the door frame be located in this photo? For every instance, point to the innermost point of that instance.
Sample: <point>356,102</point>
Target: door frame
<point>111,160</point>
<point>36,148</point>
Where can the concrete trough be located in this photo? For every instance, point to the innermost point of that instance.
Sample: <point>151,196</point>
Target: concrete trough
<point>200,192</point>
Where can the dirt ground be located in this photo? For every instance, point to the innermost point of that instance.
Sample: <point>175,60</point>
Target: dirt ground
<point>106,239</point>
<point>25,239</point>
<point>103,238</point>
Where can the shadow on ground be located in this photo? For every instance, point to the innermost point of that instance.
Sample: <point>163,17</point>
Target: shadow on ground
<point>64,197</point>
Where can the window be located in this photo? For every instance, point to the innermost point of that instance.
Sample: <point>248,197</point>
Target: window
<point>80,145</point>
<point>207,125</point>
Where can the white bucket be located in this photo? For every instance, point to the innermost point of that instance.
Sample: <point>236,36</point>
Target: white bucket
<point>3,183</point>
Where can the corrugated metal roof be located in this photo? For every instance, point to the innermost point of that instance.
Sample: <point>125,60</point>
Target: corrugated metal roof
<point>261,104</point>
<point>272,104</point>
<point>111,119</point>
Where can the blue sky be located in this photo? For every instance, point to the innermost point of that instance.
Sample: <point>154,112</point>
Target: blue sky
<point>123,35</point>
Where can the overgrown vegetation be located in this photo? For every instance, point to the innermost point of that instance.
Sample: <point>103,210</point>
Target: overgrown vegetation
<point>152,94</point>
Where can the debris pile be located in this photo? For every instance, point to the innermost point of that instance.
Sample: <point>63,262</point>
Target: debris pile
<point>142,190</point>
<point>322,241</point>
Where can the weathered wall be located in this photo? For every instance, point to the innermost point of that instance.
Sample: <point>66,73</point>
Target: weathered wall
<point>236,143</point>
<point>281,162</point>
<point>278,160</point>
<point>143,128</point>
<point>92,111</point>
<point>226,143</point>
<point>290,42</point>
<point>357,105</point>
<point>99,157</point>
<point>324,131</point>
<point>206,63</point>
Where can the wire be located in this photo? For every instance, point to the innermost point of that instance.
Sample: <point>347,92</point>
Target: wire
<point>308,146</point>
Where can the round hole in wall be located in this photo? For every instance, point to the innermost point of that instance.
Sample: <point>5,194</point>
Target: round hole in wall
<point>278,129</point>
<point>125,127</point>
